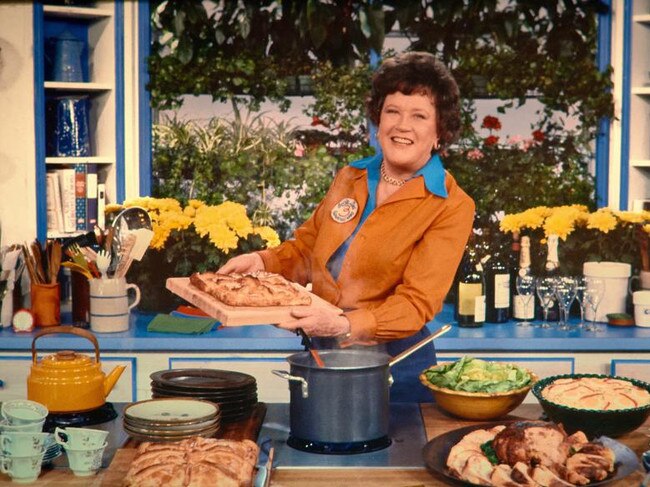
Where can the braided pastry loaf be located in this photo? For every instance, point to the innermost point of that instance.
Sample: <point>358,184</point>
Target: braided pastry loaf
<point>194,462</point>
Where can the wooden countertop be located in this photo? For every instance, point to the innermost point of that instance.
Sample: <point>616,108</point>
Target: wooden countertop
<point>435,422</point>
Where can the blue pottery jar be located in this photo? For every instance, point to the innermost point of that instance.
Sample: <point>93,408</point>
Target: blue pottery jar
<point>68,126</point>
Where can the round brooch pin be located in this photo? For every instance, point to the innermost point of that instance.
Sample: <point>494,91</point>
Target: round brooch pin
<point>345,210</point>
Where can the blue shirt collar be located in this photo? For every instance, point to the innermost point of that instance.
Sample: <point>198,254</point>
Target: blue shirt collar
<point>433,172</point>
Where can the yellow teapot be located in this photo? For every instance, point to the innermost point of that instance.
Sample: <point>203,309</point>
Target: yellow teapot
<point>68,381</point>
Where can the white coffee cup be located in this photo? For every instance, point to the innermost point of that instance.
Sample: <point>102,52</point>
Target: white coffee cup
<point>641,300</point>
<point>22,470</point>
<point>109,304</point>
<point>80,438</point>
<point>23,411</point>
<point>23,444</point>
<point>84,462</point>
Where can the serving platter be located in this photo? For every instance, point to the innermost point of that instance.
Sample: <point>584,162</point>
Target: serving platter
<point>239,315</point>
<point>436,451</point>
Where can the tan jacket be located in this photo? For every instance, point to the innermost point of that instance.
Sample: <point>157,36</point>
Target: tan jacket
<point>399,267</point>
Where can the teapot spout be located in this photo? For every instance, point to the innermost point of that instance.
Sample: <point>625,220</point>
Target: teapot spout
<point>111,378</point>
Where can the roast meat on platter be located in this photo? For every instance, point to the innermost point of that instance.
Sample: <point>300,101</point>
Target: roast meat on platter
<point>529,453</point>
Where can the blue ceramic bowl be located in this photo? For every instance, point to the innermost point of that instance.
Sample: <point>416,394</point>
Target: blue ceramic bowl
<point>593,422</point>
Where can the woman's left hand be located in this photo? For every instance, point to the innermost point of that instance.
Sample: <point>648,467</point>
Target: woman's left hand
<point>317,322</point>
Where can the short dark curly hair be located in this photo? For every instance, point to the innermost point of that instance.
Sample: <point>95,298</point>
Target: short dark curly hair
<point>416,71</point>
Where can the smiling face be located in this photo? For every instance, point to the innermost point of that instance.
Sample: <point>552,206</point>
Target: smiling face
<point>407,132</point>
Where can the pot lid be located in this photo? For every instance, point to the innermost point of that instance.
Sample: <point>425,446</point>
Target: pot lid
<point>66,359</point>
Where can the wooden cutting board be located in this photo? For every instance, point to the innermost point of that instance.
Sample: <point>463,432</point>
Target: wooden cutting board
<point>241,315</point>
<point>248,428</point>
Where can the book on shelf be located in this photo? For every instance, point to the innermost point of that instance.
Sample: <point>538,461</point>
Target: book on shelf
<point>54,205</point>
<point>67,180</point>
<point>73,199</point>
<point>91,196</point>
<point>101,205</point>
<point>80,196</point>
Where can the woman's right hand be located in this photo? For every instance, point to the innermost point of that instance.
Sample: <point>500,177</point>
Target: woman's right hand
<point>245,263</point>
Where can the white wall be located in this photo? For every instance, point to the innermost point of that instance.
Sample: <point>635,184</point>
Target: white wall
<point>17,143</point>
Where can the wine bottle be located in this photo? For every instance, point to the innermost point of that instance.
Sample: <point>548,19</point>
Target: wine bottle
<point>551,268</point>
<point>513,266</point>
<point>520,311</point>
<point>470,307</point>
<point>497,290</point>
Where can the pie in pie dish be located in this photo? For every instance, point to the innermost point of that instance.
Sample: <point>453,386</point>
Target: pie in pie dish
<point>194,462</point>
<point>255,289</point>
<point>599,393</point>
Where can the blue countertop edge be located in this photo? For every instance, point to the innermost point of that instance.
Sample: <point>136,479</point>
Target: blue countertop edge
<point>503,337</point>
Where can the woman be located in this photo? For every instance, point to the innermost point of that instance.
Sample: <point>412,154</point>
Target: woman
<point>385,242</point>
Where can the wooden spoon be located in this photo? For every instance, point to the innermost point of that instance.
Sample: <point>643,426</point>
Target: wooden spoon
<point>37,253</point>
<point>55,261</point>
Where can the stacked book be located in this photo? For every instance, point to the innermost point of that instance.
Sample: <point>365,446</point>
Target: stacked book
<point>75,200</point>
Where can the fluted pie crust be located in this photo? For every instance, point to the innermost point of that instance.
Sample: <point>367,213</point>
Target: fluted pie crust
<point>254,289</point>
<point>195,462</point>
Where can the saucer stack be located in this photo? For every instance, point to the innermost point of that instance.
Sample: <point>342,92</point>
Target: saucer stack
<point>234,392</point>
<point>52,450</point>
<point>171,419</point>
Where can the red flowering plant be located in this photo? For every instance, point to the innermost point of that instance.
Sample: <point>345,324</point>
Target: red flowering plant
<point>508,173</point>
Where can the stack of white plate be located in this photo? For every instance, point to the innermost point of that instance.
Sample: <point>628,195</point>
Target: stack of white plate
<point>171,419</point>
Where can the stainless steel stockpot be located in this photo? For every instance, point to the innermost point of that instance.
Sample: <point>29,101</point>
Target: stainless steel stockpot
<point>344,402</point>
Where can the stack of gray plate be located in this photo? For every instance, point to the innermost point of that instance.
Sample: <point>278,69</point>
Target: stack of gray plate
<point>171,419</point>
<point>234,392</point>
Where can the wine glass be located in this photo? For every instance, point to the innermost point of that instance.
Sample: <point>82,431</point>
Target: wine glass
<point>565,291</point>
<point>581,287</point>
<point>546,292</point>
<point>593,295</point>
<point>526,289</point>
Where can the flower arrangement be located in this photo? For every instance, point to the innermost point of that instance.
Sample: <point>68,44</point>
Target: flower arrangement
<point>601,235</point>
<point>193,238</point>
<point>547,167</point>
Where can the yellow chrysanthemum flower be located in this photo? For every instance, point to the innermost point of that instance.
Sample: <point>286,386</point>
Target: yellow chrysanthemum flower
<point>113,208</point>
<point>223,237</point>
<point>223,225</point>
<point>630,216</point>
<point>603,220</point>
<point>269,235</point>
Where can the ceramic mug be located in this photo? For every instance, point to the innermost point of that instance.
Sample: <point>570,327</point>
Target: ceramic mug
<point>109,304</point>
<point>23,444</point>
<point>644,280</point>
<point>23,411</point>
<point>80,438</point>
<point>641,300</point>
<point>22,469</point>
<point>85,462</point>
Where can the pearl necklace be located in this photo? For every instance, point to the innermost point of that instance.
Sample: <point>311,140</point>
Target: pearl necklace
<point>389,179</point>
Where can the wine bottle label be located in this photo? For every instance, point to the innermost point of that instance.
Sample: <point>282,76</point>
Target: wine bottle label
<point>466,295</point>
<point>502,291</point>
<point>479,309</point>
<point>522,311</point>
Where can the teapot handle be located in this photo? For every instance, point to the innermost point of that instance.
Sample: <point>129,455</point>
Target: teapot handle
<point>73,330</point>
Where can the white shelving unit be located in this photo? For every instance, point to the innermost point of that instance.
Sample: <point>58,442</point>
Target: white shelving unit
<point>639,105</point>
<point>97,25</point>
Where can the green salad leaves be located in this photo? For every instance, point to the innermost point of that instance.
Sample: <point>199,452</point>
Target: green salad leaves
<point>475,375</point>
